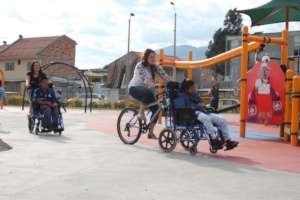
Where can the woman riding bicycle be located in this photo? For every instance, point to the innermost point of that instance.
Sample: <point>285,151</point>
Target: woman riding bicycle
<point>142,86</point>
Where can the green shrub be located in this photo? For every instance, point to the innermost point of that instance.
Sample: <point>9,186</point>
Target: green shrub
<point>16,100</point>
<point>119,104</point>
<point>74,102</point>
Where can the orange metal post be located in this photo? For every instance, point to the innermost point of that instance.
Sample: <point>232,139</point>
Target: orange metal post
<point>295,111</point>
<point>287,107</point>
<point>161,81</point>
<point>293,65</point>
<point>284,48</point>
<point>243,83</point>
<point>190,70</point>
<point>284,60</point>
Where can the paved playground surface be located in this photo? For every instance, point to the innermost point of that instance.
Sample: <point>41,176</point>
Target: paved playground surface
<point>89,162</point>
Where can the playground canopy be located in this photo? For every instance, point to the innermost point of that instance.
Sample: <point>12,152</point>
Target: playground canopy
<point>275,11</point>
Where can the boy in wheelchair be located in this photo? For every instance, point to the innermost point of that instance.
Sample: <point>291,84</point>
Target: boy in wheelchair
<point>188,98</point>
<point>45,102</point>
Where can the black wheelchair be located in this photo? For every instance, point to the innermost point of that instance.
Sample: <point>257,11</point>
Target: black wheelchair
<point>35,118</point>
<point>184,122</point>
<point>35,124</point>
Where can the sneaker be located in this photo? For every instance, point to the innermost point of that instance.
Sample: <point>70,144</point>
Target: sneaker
<point>217,144</point>
<point>230,145</point>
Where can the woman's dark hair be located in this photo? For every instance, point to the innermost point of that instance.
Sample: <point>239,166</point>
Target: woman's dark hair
<point>186,84</point>
<point>147,64</point>
<point>0,83</point>
<point>32,67</point>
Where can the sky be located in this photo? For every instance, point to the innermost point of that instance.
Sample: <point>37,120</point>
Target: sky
<point>100,27</point>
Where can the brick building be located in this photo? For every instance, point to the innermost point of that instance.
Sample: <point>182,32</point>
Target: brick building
<point>16,58</point>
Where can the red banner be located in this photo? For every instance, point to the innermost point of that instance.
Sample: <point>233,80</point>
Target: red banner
<point>265,90</point>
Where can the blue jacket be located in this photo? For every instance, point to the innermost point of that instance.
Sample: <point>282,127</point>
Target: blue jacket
<point>40,94</point>
<point>183,100</point>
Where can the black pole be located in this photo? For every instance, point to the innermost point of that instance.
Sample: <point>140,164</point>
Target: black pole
<point>80,74</point>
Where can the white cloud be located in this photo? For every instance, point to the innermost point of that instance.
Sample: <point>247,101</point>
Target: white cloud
<point>100,26</point>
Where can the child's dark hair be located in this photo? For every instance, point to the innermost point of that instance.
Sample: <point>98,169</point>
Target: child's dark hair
<point>186,84</point>
<point>43,79</point>
<point>0,83</point>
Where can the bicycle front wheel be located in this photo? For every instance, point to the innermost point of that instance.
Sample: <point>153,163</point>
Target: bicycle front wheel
<point>129,126</point>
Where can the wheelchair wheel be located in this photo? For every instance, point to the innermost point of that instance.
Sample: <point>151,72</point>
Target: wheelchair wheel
<point>129,126</point>
<point>213,150</point>
<point>193,150</point>
<point>184,136</point>
<point>31,125</point>
<point>167,140</point>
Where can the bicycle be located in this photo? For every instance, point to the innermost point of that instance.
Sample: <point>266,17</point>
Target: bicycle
<point>129,125</point>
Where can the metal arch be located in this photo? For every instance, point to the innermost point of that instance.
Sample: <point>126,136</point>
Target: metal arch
<point>81,75</point>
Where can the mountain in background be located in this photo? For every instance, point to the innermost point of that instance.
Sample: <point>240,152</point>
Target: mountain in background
<point>183,50</point>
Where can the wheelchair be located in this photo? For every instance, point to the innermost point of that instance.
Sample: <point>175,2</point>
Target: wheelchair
<point>184,121</point>
<point>35,122</point>
<point>35,118</point>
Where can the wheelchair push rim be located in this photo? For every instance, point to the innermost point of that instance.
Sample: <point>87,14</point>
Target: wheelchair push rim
<point>129,126</point>
<point>167,140</point>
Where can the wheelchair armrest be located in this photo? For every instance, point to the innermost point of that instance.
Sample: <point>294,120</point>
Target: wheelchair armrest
<point>210,110</point>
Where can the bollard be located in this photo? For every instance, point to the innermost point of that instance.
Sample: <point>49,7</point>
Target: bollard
<point>295,111</point>
<point>288,105</point>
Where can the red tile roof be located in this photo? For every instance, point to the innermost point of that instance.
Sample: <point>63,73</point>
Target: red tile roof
<point>27,48</point>
<point>3,47</point>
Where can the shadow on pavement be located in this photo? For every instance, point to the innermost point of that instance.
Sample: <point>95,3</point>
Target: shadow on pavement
<point>4,146</point>
<point>54,138</point>
<point>210,160</point>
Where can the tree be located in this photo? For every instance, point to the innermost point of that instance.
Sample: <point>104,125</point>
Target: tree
<point>232,26</point>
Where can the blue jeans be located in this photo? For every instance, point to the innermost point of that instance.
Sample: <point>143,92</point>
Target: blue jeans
<point>146,96</point>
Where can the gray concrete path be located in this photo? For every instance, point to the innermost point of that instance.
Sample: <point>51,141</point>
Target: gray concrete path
<point>86,164</point>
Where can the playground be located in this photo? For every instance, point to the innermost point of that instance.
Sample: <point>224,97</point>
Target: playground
<point>88,161</point>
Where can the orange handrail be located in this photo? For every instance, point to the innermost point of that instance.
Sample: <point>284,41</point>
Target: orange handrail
<point>214,60</point>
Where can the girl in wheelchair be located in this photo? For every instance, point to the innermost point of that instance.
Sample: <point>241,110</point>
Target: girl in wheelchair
<point>45,102</point>
<point>188,98</point>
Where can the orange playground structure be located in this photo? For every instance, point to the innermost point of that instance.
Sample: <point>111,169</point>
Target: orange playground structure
<point>289,129</point>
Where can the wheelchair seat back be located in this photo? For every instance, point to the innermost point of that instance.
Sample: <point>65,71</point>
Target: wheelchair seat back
<point>185,117</point>
<point>173,89</point>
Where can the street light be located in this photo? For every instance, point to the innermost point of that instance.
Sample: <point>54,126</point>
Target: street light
<point>129,26</point>
<point>174,45</point>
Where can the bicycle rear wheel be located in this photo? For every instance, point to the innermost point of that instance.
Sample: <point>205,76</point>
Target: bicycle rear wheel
<point>129,126</point>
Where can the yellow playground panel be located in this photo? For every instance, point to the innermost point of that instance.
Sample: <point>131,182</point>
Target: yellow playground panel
<point>251,43</point>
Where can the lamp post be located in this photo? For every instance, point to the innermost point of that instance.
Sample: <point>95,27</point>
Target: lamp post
<point>174,45</point>
<point>129,26</point>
